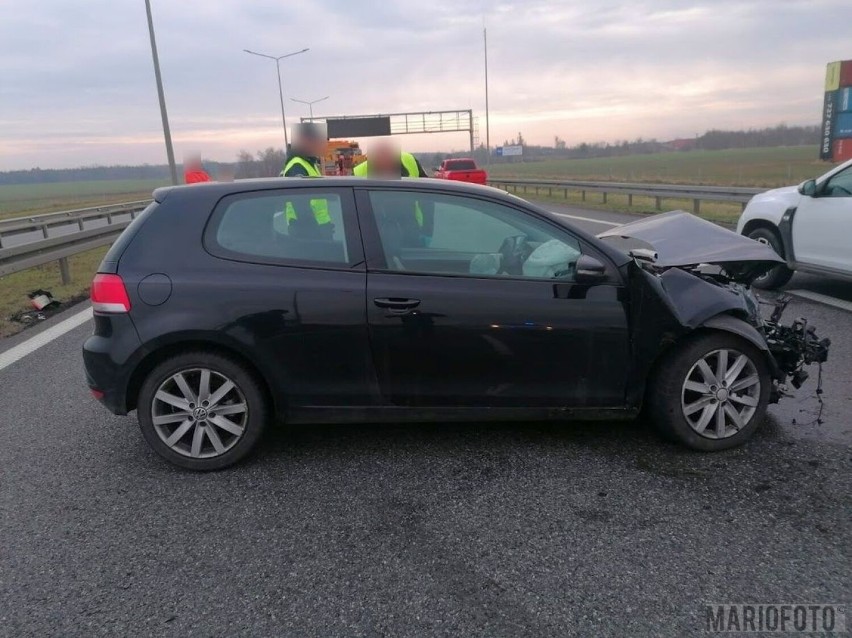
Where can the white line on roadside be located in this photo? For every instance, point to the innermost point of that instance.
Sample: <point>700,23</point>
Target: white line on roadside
<point>43,338</point>
<point>826,299</point>
<point>586,219</point>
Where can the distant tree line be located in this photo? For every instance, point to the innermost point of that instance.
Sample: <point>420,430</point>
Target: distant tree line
<point>712,140</point>
<point>94,173</point>
<point>268,162</point>
<point>265,163</point>
<point>781,135</point>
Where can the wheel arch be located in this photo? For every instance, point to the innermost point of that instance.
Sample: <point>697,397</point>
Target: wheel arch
<point>170,349</point>
<point>754,224</point>
<point>783,230</point>
<point>727,322</point>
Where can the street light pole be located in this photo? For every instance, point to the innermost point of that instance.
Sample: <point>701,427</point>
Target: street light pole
<point>280,86</point>
<point>310,104</point>
<point>281,97</point>
<point>487,124</point>
<point>170,153</point>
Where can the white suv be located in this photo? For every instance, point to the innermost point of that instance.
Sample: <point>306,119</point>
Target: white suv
<point>809,225</point>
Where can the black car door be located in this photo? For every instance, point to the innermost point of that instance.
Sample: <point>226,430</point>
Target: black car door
<point>472,302</point>
<point>290,289</point>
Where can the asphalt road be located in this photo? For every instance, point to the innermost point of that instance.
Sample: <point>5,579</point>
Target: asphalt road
<point>478,529</point>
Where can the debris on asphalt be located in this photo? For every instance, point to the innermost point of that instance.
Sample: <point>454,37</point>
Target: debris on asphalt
<point>29,317</point>
<point>43,304</point>
<point>41,299</point>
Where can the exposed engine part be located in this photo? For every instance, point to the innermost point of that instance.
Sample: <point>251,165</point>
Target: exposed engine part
<point>794,347</point>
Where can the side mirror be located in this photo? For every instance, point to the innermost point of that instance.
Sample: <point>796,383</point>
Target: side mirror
<point>436,168</point>
<point>808,188</point>
<point>589,270</point>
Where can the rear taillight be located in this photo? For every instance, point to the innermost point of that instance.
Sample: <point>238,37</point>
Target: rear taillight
<point>109,294</point>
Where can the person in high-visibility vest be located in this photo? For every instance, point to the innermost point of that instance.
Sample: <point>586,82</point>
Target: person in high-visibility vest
<point>385,160</point>
<point>303,161</point>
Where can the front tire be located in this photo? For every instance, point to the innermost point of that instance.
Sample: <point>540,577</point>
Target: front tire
<point>202,411</point>
<point>780,274</point>
<point>711,392</point>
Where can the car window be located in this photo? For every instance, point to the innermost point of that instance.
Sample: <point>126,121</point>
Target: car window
<point>445,234</point>
<point>840,185</point>
<point>300,227</point>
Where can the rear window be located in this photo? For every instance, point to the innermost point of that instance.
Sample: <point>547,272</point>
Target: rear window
<point>110,260</point>
<point>293,227</point>
<point>461,165</point>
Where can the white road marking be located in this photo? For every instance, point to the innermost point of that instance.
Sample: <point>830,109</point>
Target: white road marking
<point>826,299</point>
<point>43,338</point>
<point>586,219</point>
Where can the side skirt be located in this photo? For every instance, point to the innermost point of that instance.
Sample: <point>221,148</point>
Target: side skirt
<point>371,414</point>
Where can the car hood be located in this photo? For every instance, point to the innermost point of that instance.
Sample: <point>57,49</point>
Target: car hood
<point>787,194</point>
<point>679,239</point>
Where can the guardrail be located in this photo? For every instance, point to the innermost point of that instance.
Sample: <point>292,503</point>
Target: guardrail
<point>58,248</point>
<point>659,192</point>
<point>19,225</point>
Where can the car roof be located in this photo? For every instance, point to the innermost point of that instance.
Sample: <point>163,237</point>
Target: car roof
<point>213,191</point>
<point>221,189</point>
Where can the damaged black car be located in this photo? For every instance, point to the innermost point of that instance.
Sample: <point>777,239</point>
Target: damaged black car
<point>224,308</point>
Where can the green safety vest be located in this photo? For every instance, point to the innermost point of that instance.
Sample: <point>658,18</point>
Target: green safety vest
<point>411,169</point>
<point>318,206</point>
<point>408,163</point>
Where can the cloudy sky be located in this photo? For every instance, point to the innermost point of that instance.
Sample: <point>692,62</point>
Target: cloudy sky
<point>77,84</point>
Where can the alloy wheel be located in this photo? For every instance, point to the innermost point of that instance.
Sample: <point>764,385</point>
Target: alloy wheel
<point>199,413</point>
<point>721,393</point>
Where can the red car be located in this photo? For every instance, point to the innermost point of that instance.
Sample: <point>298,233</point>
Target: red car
<point>461,169</point>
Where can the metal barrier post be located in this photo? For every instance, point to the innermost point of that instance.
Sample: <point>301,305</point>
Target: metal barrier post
<point>64,271</point>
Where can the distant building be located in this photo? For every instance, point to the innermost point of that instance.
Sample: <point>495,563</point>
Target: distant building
<point>681,144</point>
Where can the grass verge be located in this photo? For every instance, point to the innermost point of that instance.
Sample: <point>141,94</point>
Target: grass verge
<point>18,200</point>
<point>14,288</point>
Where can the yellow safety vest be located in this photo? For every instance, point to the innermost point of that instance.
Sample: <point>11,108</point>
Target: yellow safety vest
<point>409,164</point>
<point>318,206</point>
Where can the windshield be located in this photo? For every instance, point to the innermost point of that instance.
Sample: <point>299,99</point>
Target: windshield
<point>461,165</point>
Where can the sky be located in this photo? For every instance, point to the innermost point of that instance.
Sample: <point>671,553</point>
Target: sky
<point>77,83</point>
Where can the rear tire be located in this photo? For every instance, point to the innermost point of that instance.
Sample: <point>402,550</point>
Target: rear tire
<point>202,411</point>
<point>686,395</point>
<point>780,274</point>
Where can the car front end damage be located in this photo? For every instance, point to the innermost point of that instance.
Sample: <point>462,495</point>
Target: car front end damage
<point>689,274</point>
<point>794,346</point>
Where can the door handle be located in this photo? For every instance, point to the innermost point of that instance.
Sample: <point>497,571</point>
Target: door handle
<point>395,304</point>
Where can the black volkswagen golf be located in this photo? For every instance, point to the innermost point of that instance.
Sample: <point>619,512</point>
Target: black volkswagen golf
<point>226,307</point>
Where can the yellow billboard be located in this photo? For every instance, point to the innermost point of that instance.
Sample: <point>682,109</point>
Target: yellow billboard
<point>832,76</point>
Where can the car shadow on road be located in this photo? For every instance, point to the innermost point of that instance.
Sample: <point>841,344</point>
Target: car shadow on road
<point>629,442</point>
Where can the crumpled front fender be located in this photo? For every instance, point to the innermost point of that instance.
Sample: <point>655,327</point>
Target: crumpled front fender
<point>729,323</point>
<point>738,327</point>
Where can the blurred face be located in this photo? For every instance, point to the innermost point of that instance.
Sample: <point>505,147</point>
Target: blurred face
<point>192,162</point>
<point>383,160</point>
<point>315,146</point>
<point>309,145</point>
